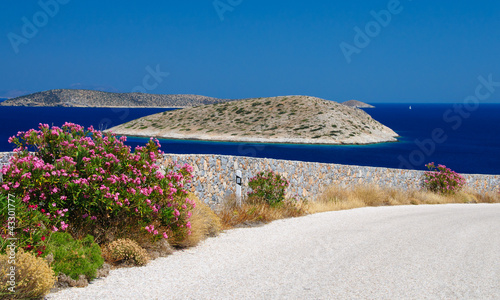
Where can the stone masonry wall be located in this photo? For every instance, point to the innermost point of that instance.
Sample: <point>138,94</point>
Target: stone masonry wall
<point>214,175</point>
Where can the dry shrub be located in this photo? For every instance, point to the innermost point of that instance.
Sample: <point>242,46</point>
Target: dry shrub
<point>34,278</point>
<point>204,223</point>
<point>489,197</point>
<point>338,198</point>
<point>257,212</point>
<point>126,251</point>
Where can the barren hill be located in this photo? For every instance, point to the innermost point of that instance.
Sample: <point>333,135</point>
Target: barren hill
<point>89,98</point>
<point>286,119</point>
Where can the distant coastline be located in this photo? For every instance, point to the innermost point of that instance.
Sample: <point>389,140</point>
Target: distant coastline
<point>90,98</point>
<point>256,140</point>
<point>357,104</point>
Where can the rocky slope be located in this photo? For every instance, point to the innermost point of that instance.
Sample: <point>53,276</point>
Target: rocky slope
<point>286,119</point>
<point>89,98</point>
<point>356,103</point>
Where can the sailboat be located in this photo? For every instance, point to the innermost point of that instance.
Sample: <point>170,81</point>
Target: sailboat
<point>410,106</point>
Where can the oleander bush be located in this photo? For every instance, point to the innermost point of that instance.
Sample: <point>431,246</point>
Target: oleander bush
<point>268,186</point>
<point>33,276</point>
<point>75,257</point>
<point>90,182</point>
<point>442,180</point>
<point>128,251</point>
<point>23,222</point>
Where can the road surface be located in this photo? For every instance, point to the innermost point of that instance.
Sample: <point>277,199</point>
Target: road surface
<point>401,252</point>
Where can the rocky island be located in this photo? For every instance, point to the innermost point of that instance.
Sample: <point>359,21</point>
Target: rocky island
<point>285,119</point>
<point>358,104</point>
<point>89,98</point>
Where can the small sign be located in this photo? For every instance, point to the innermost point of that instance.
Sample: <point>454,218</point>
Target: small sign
<point>238,186</point>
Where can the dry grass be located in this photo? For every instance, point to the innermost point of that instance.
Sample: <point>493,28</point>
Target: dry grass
<point>33,276</point>
<point>337,198</point>
<point>256,212</point>
<point>204,223</point>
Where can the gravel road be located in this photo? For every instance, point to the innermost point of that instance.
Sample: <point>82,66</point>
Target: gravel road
<point>401,252</point>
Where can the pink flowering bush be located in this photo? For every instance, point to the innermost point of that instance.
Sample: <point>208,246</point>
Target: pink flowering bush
<point>443,180</point>
<point>24,223</point>
<point>268,186</point>
<point>90,180</point>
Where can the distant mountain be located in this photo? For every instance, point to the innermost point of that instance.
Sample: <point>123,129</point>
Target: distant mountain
<point>89,98</point>
<point>358,104</point>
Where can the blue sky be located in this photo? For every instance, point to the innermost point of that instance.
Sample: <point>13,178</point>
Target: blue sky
<point>417,51</point>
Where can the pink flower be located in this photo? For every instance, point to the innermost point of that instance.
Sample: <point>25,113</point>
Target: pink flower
<point>64,225</point>
<point>53,204</point>
<point>155,232</point>
<point>165,236</point>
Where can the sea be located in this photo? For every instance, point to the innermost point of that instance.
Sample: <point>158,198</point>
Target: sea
<point>465,138</point>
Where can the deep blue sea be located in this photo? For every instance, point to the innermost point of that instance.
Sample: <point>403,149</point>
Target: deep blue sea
<point>466,141</point>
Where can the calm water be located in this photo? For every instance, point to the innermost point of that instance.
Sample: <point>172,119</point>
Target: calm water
<point>471,139</point>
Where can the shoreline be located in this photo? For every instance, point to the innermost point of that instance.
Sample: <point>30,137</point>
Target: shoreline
<point>257,140</point>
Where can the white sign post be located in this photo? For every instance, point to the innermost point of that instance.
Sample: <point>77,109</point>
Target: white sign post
<point>238,186</point>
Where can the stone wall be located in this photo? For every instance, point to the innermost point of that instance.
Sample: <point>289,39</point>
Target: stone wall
<point>214,175</point>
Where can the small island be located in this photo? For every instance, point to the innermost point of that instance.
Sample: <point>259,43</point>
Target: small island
<point>89,98</point>
<point>357,104</point>
<point>284,119</point>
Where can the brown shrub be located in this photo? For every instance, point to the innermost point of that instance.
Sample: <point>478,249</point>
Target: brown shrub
<point>257,212</point>
<point>33,276</point>
<point>126,251</point>
<point>204,223</point>
<point>490,197</point>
